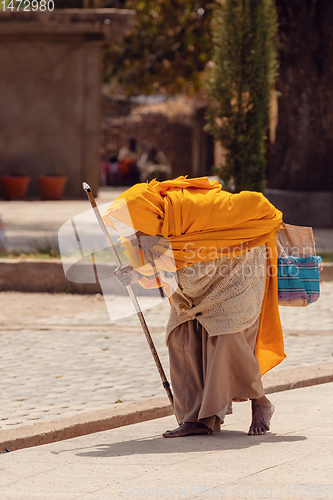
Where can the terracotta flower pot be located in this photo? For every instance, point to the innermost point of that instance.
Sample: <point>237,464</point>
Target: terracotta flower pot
<point>51,187</point>
<point>15,187</point>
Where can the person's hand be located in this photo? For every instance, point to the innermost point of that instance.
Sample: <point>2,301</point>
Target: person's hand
<point>127,275</point>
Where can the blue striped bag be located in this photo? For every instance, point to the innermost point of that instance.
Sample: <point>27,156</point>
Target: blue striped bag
<point>298,266</point>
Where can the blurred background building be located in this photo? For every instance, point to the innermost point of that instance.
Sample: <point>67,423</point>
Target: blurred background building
<point>50,92</point>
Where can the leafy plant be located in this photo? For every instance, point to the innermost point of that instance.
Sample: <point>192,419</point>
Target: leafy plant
<point>166,52</point>
<point>240,86</point>
<point>44,249</point>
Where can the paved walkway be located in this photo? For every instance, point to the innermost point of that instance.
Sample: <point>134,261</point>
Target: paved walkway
<point>293,460</point>
<point>60,354</point>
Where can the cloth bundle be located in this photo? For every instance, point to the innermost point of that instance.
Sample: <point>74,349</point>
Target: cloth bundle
<point>298,266</point>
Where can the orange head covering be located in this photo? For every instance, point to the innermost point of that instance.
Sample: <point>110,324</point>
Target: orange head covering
<point>203,222</point>
<point>194,213</point>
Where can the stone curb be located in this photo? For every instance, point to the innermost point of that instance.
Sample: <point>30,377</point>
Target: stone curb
<point>33,275</point>
<point>118,415</point>
<point>132,413</point>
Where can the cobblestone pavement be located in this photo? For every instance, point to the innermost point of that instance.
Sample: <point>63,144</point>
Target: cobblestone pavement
<point>60,354</point>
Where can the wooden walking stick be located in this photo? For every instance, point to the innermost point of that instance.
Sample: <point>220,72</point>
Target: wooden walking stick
<point>131,293</point>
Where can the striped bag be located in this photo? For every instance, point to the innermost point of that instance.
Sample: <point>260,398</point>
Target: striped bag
<point>298,266</point>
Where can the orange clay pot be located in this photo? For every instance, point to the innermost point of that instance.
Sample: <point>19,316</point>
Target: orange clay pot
<point>15,187</point>
<point>51,187</point>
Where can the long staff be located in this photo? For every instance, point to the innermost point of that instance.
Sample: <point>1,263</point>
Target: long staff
<point>108,239</point>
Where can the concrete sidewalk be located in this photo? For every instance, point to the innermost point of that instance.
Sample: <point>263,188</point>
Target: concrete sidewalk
<point>293,460</point>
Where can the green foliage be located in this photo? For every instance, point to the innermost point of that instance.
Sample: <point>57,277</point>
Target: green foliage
<point>68,4</point>
<point>4,4</point>
<point>14,254</point>
<point>327,257</point>
<point>45,249</point>
<point>167,51</point>
<point>239,88</point>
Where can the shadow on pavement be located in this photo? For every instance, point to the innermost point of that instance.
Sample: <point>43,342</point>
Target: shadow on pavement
<point>226,440</point>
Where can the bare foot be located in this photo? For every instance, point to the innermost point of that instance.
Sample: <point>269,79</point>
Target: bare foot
<point>262,412</point>
<point>188,429</point>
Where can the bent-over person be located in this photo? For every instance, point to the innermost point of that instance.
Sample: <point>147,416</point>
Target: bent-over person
<point>224,330</point>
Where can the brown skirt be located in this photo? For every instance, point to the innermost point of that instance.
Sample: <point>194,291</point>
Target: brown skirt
<point>207,373</point>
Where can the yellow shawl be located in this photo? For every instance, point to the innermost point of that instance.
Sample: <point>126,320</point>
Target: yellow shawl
<point>202,222</point>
